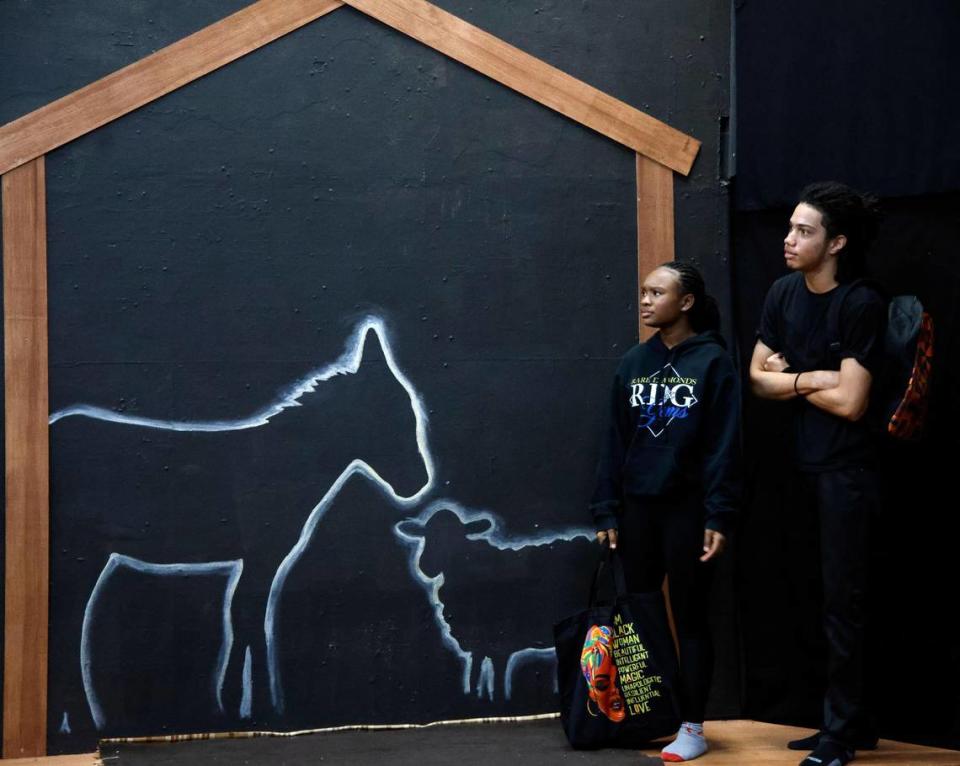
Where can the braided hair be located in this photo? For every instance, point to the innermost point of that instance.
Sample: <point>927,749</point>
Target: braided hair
<point>705,314</point>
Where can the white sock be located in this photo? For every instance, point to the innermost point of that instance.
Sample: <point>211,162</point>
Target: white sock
<point>689,744</point>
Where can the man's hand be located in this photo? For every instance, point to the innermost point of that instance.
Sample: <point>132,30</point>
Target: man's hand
<point>776,363</point>
<point>849,395</point>
<point>604,536</point>
<point>713,544</point>
<point>769,381</point>
<point>824,379</point>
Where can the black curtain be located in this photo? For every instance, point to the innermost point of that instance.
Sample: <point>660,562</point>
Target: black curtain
<point>914,664</point>
<point>862,93</point>
<point>858,90</point>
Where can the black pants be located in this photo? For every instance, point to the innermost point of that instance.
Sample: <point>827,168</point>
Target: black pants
<point>658,536</point>
<point>848,503</point>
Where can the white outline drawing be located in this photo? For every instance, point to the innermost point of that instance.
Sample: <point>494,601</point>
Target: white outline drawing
<point>347,364</point>
<point>522,657</point>
<point>246,698</point>
<point>432,585</point>
<point>486,679</point>
<point>232,570</point>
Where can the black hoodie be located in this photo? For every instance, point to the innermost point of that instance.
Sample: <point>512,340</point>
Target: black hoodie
<point>674,425</point>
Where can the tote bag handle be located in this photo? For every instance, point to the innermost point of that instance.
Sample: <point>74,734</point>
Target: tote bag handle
<point>609,561</point>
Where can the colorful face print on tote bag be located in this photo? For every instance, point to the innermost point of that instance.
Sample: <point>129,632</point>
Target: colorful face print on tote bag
<point>600,672</point>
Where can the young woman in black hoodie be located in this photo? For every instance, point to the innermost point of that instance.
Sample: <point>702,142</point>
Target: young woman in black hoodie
<point>668,481</point>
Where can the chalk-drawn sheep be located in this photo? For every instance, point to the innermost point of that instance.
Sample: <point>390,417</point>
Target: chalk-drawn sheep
<point>496,597</point>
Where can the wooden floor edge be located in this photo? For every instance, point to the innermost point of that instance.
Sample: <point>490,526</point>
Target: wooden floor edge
<point>768,742</point>
<point>78,759</point>
<point>735,741</point>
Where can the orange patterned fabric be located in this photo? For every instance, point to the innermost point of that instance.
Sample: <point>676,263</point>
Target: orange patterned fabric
<point>911,414</point>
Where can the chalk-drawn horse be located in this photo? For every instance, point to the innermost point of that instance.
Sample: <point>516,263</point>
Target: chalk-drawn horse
<point>130,492</point>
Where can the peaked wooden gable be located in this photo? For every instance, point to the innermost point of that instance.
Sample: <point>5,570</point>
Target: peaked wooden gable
<point>660,151</point>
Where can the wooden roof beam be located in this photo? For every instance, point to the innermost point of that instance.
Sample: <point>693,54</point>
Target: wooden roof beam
<point>146,80</point>
<point>136,85</point>
<point>535,79</point>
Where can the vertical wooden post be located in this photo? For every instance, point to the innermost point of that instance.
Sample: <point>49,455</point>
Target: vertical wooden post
<point>27,461</point>
<point>655,245</point>
<point>655,229</point>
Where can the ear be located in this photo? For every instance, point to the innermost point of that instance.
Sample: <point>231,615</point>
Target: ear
<point>837,244</point>
<point>686,303</point>
<point>479,527</point>
<point>411,528</point>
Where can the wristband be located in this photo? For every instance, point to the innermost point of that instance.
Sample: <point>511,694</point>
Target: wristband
<point>796,380</point>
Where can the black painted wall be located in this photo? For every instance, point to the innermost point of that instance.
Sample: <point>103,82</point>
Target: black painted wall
<point>214,250</point>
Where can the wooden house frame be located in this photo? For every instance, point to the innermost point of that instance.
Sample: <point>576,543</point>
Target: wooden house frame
<point>660,151</point>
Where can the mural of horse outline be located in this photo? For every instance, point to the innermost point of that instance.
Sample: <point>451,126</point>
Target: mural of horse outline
<point>347,364</point>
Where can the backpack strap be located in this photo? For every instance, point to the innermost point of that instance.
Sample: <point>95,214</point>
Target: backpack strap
<point>834,338</point>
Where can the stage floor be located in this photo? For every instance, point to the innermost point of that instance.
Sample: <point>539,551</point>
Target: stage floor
<point>535,743</point>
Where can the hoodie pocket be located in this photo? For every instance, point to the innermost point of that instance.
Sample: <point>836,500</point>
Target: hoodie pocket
<point>651,469</point>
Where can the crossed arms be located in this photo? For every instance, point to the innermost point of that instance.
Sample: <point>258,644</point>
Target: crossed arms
<point>845,393</point>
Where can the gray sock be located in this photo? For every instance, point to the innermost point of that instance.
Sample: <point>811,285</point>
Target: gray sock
<point>689,744</point>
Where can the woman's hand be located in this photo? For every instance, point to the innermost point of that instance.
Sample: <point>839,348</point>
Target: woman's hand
<point>604,536</point>
<point>713,544</point>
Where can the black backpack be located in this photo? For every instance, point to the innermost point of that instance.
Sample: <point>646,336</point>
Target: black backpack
<point>899,401</point>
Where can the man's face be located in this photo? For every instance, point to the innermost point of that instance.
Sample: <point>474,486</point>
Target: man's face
<point>806,247</point>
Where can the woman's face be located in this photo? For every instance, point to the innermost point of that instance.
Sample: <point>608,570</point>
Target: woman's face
<point>606,694</point>
<point>600,672</point>
<point>661,303</point>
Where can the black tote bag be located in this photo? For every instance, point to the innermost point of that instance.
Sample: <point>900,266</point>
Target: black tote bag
<point>617,667</point>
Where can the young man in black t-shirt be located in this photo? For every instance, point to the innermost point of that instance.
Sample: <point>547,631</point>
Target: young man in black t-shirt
<point>829,379</point>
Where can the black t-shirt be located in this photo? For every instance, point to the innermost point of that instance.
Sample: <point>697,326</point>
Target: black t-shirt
<point>794,322</point>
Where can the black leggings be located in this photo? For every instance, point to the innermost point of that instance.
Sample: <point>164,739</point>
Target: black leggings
<point>664,536</point>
